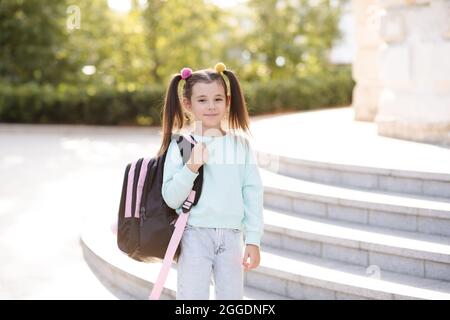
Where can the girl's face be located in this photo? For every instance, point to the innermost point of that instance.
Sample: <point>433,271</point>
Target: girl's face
<point>208,104</point>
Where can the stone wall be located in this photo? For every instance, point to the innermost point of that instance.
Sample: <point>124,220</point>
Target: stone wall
<point>365,66</point>
<point>403,72</point>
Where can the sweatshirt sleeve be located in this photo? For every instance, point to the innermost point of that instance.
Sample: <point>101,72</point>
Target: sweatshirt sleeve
<point>252,193</point>
<point>178,179</point>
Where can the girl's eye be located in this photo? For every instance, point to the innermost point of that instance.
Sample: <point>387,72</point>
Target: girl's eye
<point>204,100</point>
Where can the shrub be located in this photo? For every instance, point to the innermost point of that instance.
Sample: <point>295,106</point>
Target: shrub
<point>31,103</point>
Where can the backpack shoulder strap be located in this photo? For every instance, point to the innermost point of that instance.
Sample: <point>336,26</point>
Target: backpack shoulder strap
<point>185,143</point>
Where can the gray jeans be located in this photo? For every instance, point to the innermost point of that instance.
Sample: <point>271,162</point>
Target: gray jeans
<point>206,251</point>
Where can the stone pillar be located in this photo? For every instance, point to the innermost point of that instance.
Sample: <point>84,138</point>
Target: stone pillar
<point>365,66</point>
<point>414,70</point>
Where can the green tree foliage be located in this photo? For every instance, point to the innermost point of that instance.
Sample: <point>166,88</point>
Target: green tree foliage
<point>182,33</point>
<point>272,39</point>
<point>114,43</point>
<point>291,38</point>
<point>116,65</point>
<point>33,41</point>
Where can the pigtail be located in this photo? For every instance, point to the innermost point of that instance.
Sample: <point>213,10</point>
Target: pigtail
<point>172,114</point>
<point>238,117</point>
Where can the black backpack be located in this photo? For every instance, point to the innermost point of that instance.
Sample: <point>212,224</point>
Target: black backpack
<point>146,223</point>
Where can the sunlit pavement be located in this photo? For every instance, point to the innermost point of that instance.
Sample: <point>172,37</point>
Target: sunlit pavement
<point>332,136</point>
<point>53,178</point>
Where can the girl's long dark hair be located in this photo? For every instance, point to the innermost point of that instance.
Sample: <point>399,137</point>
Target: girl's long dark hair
<point>173,115</point>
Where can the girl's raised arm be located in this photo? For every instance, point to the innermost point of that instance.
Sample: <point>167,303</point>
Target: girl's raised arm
<point>178,178</point>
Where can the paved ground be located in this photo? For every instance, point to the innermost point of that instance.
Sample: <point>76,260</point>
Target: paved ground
<point>53,178</point>
<point>333,136</point>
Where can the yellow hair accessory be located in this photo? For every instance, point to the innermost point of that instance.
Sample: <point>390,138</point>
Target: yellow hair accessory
<point>220,67</point>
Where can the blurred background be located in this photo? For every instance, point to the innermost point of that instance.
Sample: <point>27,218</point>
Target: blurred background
<point>108,62</point>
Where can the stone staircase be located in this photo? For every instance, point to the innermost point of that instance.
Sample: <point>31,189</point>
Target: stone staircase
<point>323,241</point>
<point>351,215</point>
<point>333,230</point>
<point>433,184</point>
<point>128,279</point>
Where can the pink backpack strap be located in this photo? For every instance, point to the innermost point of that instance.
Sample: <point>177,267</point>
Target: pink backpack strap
<point>140,186</point>
<point>174,240</point>
<point>170,253</point>
<point>189,138</point>
<point>129,190</point>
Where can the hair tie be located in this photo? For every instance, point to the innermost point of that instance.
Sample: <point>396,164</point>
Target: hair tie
<point>185,73</point>
<point>220,67</point>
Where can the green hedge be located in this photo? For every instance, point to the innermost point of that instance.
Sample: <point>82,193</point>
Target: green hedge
<point>31,103</point>
<point>333,88</point>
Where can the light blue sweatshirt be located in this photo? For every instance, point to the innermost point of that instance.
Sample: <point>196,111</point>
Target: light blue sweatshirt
<point>232,192</point>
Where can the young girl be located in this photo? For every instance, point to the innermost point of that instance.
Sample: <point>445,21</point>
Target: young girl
<point>229,212</point>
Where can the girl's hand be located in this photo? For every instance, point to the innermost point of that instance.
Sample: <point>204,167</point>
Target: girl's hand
<point>199,156</point>
<point>252,252</point>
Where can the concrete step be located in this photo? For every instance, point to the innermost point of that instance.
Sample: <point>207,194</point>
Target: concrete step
<point>329,146</point>
<point>301,276</point>
<point>357,176</point>
<point>282,275</point>
<point>428,215</point>
<point>130,279</point>
<point>404,252</point>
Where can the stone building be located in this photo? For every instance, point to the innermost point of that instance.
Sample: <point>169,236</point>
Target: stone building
<point>402,67</point>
